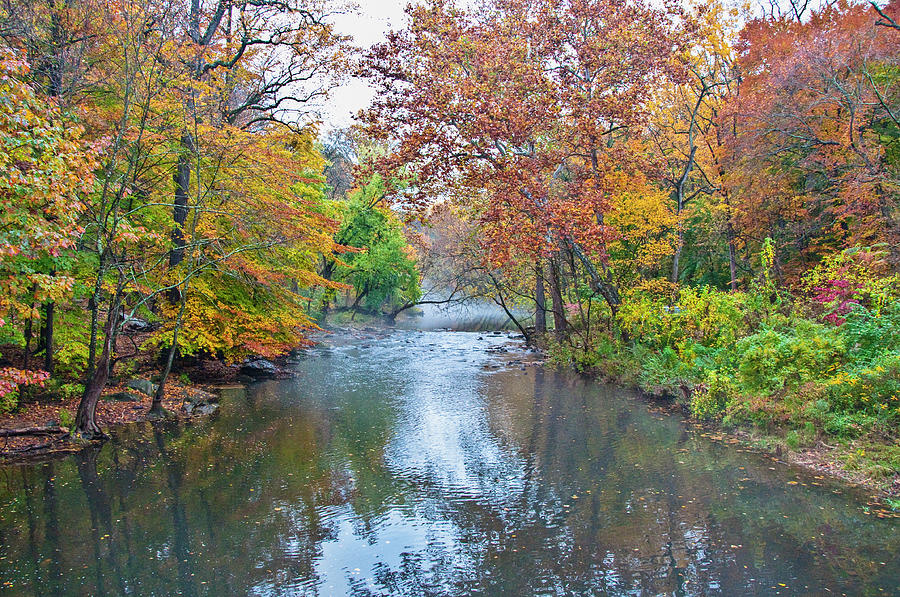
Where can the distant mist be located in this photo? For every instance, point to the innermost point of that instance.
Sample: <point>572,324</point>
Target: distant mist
<point>470,317</point>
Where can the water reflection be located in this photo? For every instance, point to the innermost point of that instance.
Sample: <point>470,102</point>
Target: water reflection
<point>405,464</point>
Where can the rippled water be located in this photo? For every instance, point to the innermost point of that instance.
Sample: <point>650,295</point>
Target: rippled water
<point>431,463</point>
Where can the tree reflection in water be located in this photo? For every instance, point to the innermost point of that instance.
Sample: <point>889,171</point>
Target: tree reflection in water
<point>407,464</point>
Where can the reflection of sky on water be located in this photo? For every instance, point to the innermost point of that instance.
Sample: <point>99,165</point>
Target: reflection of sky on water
<point>443,437</point>
<point>441,443</point>
<point>426,463</point>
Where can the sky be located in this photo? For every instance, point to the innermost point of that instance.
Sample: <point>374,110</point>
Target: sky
<point>373,19</point>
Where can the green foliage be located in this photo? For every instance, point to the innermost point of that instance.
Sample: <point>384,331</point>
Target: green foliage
<point>72,358</point>
<point>872,334</point>
<point>759,359</point>
<point>66,419</point>
<point>792,439</point>
<point>788,356</point>
<point>702,315</point>
<point>9,401</point>
<point>70,391</point>
<point>711,399</point>
<point>665,371</point>
<point>233,318</point>
<point>383,269</point>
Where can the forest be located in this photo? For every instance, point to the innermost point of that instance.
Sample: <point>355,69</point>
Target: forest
<point>699,199</point>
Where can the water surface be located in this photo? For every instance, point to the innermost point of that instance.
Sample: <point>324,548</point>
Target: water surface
<point>433,463</point>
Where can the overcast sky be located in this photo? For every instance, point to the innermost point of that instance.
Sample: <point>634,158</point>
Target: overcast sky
<point>373,19</point>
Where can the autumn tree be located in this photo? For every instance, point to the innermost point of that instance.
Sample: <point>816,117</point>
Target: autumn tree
<point>526,112</point>
<point>816,160</point>
<point>45,175</point>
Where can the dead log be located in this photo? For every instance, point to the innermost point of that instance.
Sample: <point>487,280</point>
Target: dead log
<point>45,430</point>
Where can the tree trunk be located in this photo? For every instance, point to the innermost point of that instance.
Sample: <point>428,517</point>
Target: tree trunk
<point>356,303</point>
<point>85,423</point>
<point>732,258</point>
<point>540,315</point>
<point>28,333</point>
<point>676,257</point>
<point>559,315</point>
<point>114,341</point>
<point>679,197</point>
<point>498,299</point>
<point>43,430</point>
<point>49,310</point>
<point>156,405</point>
<point>732,255</point>
<point>182,179</point>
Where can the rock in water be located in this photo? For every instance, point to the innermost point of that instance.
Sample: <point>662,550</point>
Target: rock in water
<point>198,402</point>
<point>203,409</point>
<point>259,367</point>
<point>144,386</point>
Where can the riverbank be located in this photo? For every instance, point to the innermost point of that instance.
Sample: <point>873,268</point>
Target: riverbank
<point>37,425</point>
<point>121,404</point>
<point>870,461</point>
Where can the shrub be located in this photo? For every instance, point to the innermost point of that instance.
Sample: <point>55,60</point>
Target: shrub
<point>873,388</point>
<point>66,419</point>
<point>711,400</point>
<point>9,401</point>
<point>710,317</point>
<point>70,391</point>
<point>871,334</point>
<point>792,439</point>
<point>71,359</point>
<point>771,360</point>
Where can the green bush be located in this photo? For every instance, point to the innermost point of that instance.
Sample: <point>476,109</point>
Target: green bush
<point>870,335</point>
<point>70,391</point>
<point>792,439</point>
<point>667,370</point>
<point>66,419</point>
<point>713,397</point>
<point>772,359</point>
<point>9,401</point>
<point>871,389</point>
<point>71,359</point>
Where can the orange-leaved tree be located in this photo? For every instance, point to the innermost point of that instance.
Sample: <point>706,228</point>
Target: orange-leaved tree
<point>45,174</point>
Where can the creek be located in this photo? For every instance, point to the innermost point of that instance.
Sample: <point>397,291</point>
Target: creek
<point>433,462</point>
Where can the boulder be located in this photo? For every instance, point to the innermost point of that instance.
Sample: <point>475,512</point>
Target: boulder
<point>201,409</point>
<point>198,402</point>
<point>136,325</point>
<point>199,397</point>
<point>144,386</point>
<point>259,367</point>
<point>122,397</point>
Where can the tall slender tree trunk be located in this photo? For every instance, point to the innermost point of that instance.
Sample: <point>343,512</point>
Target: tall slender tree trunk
<point>114,342</point>
<point>540,314</point>
<point>679,236</point>
<point>156,405</point>
<point>559,315</point>
<point>85,420</point>
<point>49,312</point>
<point>29,333</point>
<point>182,179</point>
<point>732,253</point>
<point>676,257</point>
